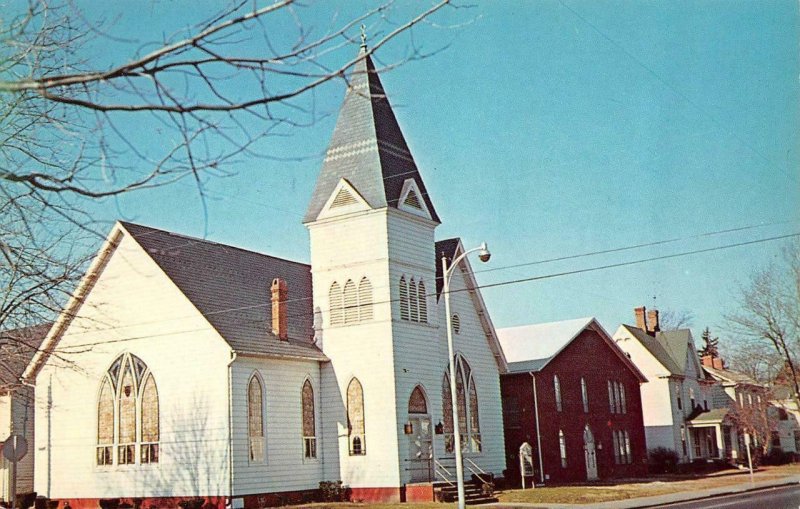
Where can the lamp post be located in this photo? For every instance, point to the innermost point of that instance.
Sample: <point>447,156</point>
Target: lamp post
<point>447,272</point>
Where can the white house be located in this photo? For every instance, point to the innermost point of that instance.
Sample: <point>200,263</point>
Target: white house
<point>196,369</point>
<point>17,347</point>
<point>676,400</point>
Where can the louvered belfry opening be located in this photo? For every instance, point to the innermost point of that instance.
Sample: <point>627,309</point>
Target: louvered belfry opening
<point>279,318</point>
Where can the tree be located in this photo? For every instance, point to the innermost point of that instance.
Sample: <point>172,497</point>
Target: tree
<point>768,314</point>
<point>211,93</point>
<point>753,416</point>
<point>674,320</point>
<point>710,347</point>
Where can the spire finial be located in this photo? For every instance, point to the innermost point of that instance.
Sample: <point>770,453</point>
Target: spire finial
<point>364,36</point>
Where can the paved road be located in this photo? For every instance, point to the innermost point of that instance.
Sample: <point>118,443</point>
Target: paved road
<point>773,498</point>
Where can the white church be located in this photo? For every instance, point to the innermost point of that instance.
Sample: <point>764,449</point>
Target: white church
<point>186,369</point>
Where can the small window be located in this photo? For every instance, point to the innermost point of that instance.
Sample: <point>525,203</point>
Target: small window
<point>617,398</point>
<point>416,403</point>
<point>691,398</point>
<point>705,405</point>
<point>456,323</point>
<point>355,418</point>
<point>255,417</point>
<point>413,303</point>
<point>350,302</point>
<point>584,396</point>
<point>615,444</point>
<point>336,304</point>
<point>404,313</point>
<point>364,300</point>
<point>412,200</point>
<point>628,455</point>
<point>309,422</point>
<point>775,439</point>
<point>557,390</point>
<point>423,302</point>
<point>783,415</point>
<point>622,403</point>
<point>611,406</point>
<point>562,448</point>
<point>680,403</point>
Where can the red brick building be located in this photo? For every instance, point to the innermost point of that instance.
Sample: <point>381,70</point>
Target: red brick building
<point>573,395</point>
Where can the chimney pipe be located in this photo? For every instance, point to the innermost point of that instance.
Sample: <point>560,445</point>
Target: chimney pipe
<point>639,312</point>
<point>279,322</point>
<point>652,321</point>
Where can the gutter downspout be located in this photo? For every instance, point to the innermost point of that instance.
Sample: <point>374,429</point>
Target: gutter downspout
<point>230,429</point>
<point>538,435</point>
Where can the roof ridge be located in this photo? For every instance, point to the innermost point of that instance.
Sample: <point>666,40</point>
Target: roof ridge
<point>212,242</point>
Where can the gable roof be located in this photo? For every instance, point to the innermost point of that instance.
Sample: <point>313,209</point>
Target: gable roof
<point>658,350</point>
<point>17,348</point>
<point>231,288</point>
<point>733,377</point>
<point>368,148</point>
<point>531,347</point>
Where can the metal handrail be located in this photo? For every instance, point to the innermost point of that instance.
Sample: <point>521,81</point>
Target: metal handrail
<point>477,474</point>
<point>438,466</point>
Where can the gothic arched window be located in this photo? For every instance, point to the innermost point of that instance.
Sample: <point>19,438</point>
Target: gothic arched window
<point>364,300</point>
<point>309,424</point>
<point>412,300</point>
<point>335,299</point>
<point>404,299</point>
<point>350,302</point>
<point>467,407</point>
<point>423,302</point>
<point>557,390</point>
<point>127,386</point>
<point>416,403</point>
<point>255,418</point>
<point>355,418</point>
<point>584,395</point>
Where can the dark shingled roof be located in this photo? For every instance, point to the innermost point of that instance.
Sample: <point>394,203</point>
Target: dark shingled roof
<point>231,288</point>
<point>446,248</point>
<point>17,348</point>
<point>658,350</point>
<point>367,148</point>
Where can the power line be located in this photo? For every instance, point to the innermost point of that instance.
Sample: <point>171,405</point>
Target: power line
<point>485,286</point>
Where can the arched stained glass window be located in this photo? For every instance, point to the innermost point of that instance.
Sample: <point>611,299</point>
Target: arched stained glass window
<point>150,424</point>
<point>309,423</point>
<point>355,418</point>
<point>127,413</point>
<point>336,304</point>
<point>255,418</point>
<point>467,408</point>
<point>416,403</point>
<point>105,424</point>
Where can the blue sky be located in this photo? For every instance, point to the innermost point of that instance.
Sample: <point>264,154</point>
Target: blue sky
<point>551,129</point>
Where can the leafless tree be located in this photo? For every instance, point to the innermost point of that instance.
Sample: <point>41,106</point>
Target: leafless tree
<point>674,320</point>
<point>71,130</point>
<point>768,313</point>
<point>754,417</point>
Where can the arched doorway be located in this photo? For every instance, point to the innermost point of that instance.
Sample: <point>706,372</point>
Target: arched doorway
<point>590,454</point>
<point>419,433</point>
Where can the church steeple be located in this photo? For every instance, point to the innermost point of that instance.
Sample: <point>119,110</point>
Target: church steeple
<point>368,149</point>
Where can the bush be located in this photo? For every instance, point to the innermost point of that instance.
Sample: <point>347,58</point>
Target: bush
<point>662,461</point>
<point>777,457</point>
<point>333,491</point>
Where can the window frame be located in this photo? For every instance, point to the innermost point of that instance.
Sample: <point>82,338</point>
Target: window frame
<point>253,440</point>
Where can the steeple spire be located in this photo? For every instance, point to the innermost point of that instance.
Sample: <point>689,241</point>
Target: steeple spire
<point>367,148</point>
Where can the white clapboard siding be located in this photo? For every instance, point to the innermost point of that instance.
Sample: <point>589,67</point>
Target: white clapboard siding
<point>350,247</point>
<point>284,467</point>
<point>135,308</point>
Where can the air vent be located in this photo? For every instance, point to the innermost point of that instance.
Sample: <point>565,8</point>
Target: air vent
<point>343,199</point>
<point>412,200</point>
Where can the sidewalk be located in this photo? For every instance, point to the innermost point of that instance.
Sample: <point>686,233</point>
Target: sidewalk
<point>670,498</point>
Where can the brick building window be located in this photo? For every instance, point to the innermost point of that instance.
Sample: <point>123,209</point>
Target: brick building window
<point>584,395</point>
<point>562,448</point>
<point>126,387</point>
<point>557,390</point>
<point>355,418</point>
<point>611,405</point>
<point>309,422</point>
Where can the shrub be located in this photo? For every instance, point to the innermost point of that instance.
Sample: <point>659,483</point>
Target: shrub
<point>662,461</point>
<point>333,491</point>
<point>777,457</point>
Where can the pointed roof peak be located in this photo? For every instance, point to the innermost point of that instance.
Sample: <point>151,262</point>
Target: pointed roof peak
<point>367,148</point>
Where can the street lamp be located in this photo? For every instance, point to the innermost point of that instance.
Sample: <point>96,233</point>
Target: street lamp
<point>447,272</point>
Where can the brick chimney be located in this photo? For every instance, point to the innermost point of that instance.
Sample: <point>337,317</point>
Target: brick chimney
<point>279,293</point>
<point>652,321</point>
<point>639,312</point>
<point>713,362</point>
